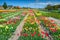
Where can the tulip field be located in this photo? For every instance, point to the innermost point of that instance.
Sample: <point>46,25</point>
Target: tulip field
<point>50,25</point>
<point>37,25</point>
<point>31,30</point>
<point>9,23</point>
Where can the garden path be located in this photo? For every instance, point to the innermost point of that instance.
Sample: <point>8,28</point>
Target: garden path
<point>18,30</point>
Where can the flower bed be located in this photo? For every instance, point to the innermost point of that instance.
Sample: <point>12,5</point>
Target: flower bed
<point>7,29</point>
<point>30,30</point>
<point>52,27</point>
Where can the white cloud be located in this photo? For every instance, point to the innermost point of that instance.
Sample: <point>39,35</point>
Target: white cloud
<point>40,5</point>
<point>44,3</point>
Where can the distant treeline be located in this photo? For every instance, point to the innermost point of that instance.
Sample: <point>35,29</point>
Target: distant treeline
<point>54,7</point>
<point>5,6</point>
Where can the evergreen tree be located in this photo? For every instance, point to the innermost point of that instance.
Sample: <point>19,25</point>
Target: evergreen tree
<point>4,5</point>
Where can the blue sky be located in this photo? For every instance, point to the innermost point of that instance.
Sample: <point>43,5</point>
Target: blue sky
<point>30,3</point>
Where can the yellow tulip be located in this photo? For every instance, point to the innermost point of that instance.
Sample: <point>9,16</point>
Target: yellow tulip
<point>1,25</point>
<point>46,18</point>
<point>33,29</point>
<point>38,14</point>
<point>29,17</point>
<point>32,23</point>
<point>59,34</point>
<point>26,29</point>
<point>46,24</point>
<point>36,28</point>
<point>7,27</point>
<point>58,27</point>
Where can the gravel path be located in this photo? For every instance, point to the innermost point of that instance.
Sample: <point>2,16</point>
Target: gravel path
<point>18,30</point>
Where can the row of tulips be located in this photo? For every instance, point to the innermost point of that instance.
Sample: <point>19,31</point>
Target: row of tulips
<point>7,28</point>
<point>31,30</point>
<point>4,17</point>
<point>51,26</point>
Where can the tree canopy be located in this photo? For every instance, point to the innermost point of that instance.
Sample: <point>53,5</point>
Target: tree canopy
<point>4,5</point>
<point>55,7</point>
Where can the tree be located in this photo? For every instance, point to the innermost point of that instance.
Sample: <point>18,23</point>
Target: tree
<point>4,5</point>
<point>49,7</point>
<point>54,7</point>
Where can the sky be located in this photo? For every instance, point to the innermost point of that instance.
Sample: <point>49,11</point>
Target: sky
<point>30,3</point>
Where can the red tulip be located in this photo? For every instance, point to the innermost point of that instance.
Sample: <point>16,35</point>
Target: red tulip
<point>34,32</point>
<point>32,35</point>
<point>53,29</point>
<point>38,34</point>
<point>42,32</point>
<point>25,35</point>
<point>52,21</point>
<point>46,34</point>
<point>53,24</point>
